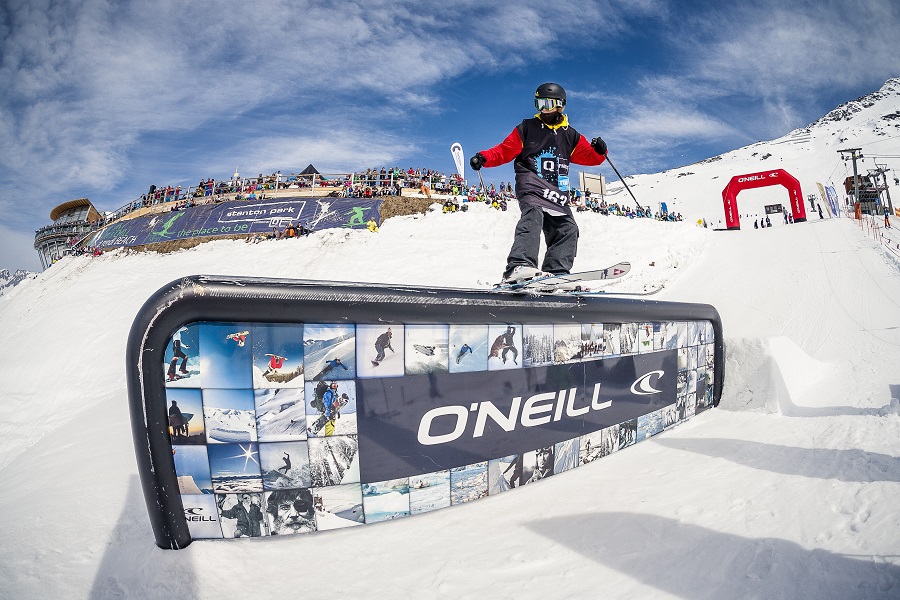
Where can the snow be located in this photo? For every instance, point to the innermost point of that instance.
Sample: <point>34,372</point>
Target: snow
<point>788,490</point>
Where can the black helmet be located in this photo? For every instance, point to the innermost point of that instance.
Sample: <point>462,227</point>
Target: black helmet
<point>551,90</point>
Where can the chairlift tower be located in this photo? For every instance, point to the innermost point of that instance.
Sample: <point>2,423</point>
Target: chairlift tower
<point>855,153</point>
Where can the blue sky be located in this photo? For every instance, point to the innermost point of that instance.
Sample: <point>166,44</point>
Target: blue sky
<point>101,99</point>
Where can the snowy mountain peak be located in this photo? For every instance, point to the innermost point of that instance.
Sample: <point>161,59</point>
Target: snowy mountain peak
<point>846,111</point>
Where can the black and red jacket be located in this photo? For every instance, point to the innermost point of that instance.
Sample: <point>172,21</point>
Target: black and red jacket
<point>542,153</point>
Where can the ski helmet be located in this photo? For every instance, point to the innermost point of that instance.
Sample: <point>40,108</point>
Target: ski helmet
<point>551,90</point>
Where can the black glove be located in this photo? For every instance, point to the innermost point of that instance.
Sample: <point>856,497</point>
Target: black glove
<point>599,146</point>
<point>477,161</point>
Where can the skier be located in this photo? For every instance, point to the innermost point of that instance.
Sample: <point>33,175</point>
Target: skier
<point>382,343</point>
<point>177,353</point>
<point>542,147</point>
<point>466,349</point>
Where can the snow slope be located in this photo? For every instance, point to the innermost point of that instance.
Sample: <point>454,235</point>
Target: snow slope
<point>788,490</point>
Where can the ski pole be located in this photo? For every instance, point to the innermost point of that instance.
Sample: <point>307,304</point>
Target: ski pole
<point>483,189</point>
<point>623,182</point>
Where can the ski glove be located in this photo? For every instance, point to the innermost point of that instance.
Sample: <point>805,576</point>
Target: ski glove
<point>477,161</point>
<point>599,146</point>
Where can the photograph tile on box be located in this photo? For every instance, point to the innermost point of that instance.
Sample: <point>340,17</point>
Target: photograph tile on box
<point>506,345</point>
<point>539,464</point>
<point>593,345</point>
<point>566,455</point>
<point>386,500</point>
<point>693,357</point>
<point>670,415</point>
<point>329,352</point>
<point>338,506</point>
<point>277,355</point>
<point>284,465</point>
<point>280,415</point>
<point>290,511</point>
<point>235,468</point>
<point>627,433</point>
<point>192,469</point>
<point>709,355</point>
<point>468,348</point>
<point>611,339</point>
<point>709,335</point>
<point>202,516</point>
<point>567,343</point>
<point>590,447</point>
<point>670,341</point>
<point>226,359</point>
<point>645,338</point>
<point>659,336</point>
<point>181,365</point>
<point>682,359</point>
<point>468,482</point>
<point>429,492</point>
<point>185,416</point>
<point>503,473</point>
<point>537,345</point>
<point>690,405</point>
<point>681,383</point>
<point>628,334</point>
<point>682,334</point>
<point>427,349</point>
<point>241,515</point>
<point>333,460</point>
<point>229,415</point>
<point>691,386</point>
<point>379,350</point>
<point>331,409</point>
<point>681,408</point>
<point>650,424</point>
<point>693,333</point>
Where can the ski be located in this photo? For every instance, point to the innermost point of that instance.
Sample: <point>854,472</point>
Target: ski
<point>572,282</point>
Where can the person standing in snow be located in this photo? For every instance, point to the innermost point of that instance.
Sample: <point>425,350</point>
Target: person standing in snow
<point>542,148</point>
<point>177,353</point>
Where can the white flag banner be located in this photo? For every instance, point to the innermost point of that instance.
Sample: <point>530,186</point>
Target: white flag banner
<point>457,152</point>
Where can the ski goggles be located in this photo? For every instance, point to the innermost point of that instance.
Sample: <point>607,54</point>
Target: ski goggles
<point>547,103</point>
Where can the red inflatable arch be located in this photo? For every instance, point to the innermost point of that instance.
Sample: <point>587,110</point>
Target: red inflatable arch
<point>757,180</point>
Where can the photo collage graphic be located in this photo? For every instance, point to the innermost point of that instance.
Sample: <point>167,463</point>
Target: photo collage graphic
<point>263,417</point>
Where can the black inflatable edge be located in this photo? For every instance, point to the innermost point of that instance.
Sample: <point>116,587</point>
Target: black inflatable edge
<point>244,299</point>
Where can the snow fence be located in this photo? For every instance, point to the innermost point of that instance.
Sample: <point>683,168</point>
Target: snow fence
<point>270,407</point>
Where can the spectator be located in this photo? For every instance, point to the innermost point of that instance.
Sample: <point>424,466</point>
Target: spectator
<point>372,225</point>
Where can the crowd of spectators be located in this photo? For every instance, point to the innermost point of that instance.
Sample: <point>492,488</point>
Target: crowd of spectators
<point>591,203</point>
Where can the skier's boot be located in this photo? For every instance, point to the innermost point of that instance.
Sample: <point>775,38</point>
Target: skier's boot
<point>520,274</point>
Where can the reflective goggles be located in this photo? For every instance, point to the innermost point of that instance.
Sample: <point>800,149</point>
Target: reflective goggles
<point>547,103</point>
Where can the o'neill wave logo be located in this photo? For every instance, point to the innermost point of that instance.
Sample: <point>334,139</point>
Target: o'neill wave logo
<point>643,387</point>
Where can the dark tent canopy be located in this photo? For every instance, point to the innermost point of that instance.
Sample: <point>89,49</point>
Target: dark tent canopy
<point>310,170</point>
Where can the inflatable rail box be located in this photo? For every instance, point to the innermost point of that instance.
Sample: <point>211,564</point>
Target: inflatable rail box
<point>264,407</point>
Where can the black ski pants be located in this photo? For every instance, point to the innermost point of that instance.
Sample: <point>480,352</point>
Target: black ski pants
<point>560,233</point>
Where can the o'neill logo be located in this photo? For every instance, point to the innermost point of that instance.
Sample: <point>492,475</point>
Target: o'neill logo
<point>642,386</point>
<point>538,409</point>
<point>195,514</point>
